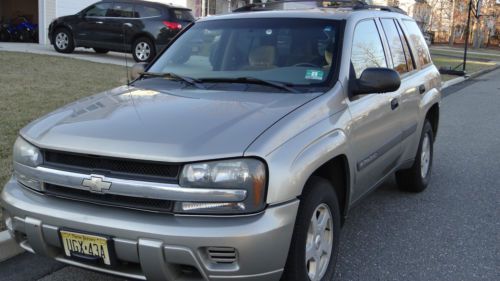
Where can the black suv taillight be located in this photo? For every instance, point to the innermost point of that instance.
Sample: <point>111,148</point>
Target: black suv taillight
<point>172,25</point>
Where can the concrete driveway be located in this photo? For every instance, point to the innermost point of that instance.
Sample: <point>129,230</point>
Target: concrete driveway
<point>79,53</point>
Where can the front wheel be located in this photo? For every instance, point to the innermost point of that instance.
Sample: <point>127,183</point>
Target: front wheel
<point>315,243</point>
<point>416,178</point>
<point>63,41</point>
<point>143,50</point>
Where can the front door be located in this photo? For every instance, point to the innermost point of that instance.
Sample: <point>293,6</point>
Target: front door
<point>375,126</point>
<point>90,30</point>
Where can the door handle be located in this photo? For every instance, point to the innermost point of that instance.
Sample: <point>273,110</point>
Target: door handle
<point>99,22</point>
<point>421,89</point>
<point>394,103</point>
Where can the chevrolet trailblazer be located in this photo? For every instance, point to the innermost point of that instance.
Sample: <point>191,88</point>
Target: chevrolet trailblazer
<point>237,153</point>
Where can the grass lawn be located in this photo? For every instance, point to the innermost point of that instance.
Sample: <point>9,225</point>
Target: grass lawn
<point>33,85</point>
<point>482,56</point>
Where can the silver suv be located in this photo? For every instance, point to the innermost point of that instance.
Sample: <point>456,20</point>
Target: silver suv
<point>235,155</point>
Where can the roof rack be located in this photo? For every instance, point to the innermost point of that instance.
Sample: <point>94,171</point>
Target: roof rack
<point>353,4</point>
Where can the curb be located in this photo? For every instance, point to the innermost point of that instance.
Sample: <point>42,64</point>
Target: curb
<point>457,80</point>
<point>8,246</point>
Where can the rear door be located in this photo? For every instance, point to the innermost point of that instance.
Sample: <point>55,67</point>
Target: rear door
<point>119,22</point>
<point>375,127</point>
<point>409,97</point>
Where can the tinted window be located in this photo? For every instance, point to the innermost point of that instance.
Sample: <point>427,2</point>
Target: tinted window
<point>367,49</point>
<point>397,52</point>
<point>146,11</point>
<point>182,15</point>
<point>98,10</point>
<point>419,46</point>
<point>121,10</point>
<point>409,57</point>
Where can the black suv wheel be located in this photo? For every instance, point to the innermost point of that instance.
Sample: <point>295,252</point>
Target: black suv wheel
<point>63,41</point>
<point>143,50</point>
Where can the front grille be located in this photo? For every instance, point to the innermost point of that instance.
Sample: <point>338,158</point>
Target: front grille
<point>222,255</point>
<point>125,168</point>
<point>146,204</point>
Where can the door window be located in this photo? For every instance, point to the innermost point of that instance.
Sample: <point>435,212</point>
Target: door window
<point>408,54</point>
<point>98,10</point>
<point>418,42</point>
<point>121,10</point>
<point>146,11</point>
<point>367,49</point>
<point>397,52</point>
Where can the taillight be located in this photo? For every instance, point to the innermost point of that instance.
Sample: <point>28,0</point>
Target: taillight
<point>172,25</point>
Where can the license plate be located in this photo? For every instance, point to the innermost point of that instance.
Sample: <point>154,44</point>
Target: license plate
<point>86,245</point>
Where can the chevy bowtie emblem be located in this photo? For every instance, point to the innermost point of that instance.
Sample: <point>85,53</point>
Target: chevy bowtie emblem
<point>96,184</point>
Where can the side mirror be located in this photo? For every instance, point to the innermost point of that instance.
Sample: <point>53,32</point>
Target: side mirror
<point>137,70</point>
<point>377,81</point>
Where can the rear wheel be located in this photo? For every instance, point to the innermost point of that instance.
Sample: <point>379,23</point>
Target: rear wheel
<point>143,50</point>
<point>101,51</point>
<point>314,248</point>
<point>416,178</point>
<point>63,41</point>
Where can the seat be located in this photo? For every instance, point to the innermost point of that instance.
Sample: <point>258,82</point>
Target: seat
<point>261,58</point>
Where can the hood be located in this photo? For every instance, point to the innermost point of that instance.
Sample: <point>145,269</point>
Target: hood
<point>154,124</point>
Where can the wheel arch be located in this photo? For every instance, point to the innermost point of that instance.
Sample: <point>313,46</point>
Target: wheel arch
<point>337,172</point>
<point>142,34</point>
<point>433,116</point>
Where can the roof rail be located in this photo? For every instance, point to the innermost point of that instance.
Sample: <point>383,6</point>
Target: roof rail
<point>354,4</point>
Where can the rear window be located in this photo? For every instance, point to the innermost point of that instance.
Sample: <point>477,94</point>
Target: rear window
<point>182,15</point>
<point>146,11</point>
<point>419,46</point>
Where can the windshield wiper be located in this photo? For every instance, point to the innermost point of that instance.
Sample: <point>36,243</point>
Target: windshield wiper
<point>251,80</point>
<point>171,75</point>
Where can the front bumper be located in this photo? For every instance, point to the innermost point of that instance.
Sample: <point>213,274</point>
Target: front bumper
<point>156,246</point>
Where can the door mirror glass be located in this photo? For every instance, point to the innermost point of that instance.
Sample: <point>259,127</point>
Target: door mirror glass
<point>137,70</point>
<point>377,81</point>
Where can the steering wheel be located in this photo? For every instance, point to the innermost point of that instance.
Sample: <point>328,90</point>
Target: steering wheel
<point>307,64</point>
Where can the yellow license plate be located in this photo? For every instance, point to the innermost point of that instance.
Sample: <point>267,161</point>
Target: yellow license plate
<point>86,245</point>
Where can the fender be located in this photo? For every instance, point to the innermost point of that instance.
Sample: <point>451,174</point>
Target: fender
<point>295,161</point>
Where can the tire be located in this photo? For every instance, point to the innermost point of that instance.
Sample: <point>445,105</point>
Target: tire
<point>143,50</point>
<point>63,41</point>
<point>318,197</point>
<point>101,51</point>
<point>416,178</point>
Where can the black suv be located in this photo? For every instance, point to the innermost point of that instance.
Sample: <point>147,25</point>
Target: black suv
<point>139,27</point>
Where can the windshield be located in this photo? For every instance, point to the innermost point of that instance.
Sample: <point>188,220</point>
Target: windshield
<point>298,53</point>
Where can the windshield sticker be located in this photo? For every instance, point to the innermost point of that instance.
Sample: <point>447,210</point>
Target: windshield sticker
<point>314,74</point>
<point>269,31</point>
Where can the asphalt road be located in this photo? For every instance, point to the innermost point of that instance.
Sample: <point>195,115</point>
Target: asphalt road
<point>449,232</point>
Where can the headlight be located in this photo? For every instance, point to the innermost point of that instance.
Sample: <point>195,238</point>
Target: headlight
<point>247,174</point>
<point>28,155</point>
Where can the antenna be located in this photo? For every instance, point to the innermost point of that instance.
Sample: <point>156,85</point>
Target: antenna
<point>125,25</point>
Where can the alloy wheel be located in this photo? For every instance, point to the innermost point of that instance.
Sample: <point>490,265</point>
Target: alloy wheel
<point>142,51</point>
<point>62,41</point>
<point>319,242</point>
<point>425,156</point>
